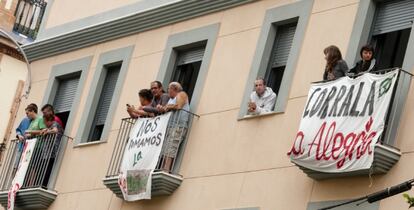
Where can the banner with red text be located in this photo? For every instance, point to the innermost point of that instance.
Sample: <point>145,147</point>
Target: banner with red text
<point>18,179</point>
<point>141,157</point>
<point>342,122</point>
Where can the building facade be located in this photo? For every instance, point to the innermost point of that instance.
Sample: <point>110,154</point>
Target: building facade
<point>91,64</point>
<point>19,20</point>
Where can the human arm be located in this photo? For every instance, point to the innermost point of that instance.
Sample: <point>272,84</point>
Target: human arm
<point>268,105</point>
<point>150,109</point>
<point>31,133</point>
<point>325,75</point>
<point>354,69</point>
<point>140,112</point>
<point>23,126</point>
<point>343,67</point>
<point>182,99</point>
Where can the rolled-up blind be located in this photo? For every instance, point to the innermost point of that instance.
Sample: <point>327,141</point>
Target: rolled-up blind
<point>190,56</point>
<point>393,16</point>
<point>65,94</point>
<point>106,95</point>
<point>282,45</point>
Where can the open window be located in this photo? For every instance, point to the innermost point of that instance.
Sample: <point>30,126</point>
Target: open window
<point>279,55</point>
<point>111,77</point>
<point>187,67</point>
<point>65,95</point>
<point>391,31</point>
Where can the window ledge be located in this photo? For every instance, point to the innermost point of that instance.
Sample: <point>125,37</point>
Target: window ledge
<point>86,144</point>
<point>246,117</point>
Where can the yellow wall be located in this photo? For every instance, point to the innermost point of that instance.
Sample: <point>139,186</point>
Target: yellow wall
<point>11,71</point>
<point>227,163</point>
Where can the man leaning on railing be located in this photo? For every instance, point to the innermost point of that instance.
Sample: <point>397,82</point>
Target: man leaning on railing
<point>178,124</point>
<point>145,99</point>
<point>49,133</point>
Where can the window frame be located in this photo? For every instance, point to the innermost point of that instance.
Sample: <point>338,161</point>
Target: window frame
<point>80,66</point>
<point>183,40</point>
<point>300,12</point>
<point>361,34</point>
<point>114,56</point>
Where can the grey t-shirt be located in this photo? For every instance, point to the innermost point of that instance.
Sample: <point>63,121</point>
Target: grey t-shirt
<point>163,100</point>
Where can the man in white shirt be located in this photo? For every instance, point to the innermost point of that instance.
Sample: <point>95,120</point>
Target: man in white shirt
<point>262,99</point>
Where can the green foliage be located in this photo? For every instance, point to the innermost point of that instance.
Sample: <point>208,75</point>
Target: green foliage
<point>409,199</point>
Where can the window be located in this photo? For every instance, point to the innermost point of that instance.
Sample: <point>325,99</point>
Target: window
<point>186,60</point>
<point>65,94</point>
<point>65,86</point>
<point>105,98</point>
<point>279,55</point>
<point>187,68</point>
<point>391,32</point>
<point>277,52</point>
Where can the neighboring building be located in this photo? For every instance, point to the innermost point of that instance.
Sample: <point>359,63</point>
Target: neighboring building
<point>91,64</point>
<point>19,19</point>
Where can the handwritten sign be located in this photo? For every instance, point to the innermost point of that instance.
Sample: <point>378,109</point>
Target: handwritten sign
<point>342,122</point>
<point>141,157</point>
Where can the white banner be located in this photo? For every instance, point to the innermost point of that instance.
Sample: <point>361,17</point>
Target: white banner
<point>18,179</point>
<point>342,122</point>
<point>141,157</point>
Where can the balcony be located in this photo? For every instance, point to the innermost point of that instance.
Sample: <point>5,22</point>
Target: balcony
<point>385,154</point>
<point>29,15</point>
<point>164,182</point>
<point>35,192</point>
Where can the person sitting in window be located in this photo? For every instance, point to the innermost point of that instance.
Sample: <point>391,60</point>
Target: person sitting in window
<point>160,97</point>
<point>145,98</point>
<point>36,125</point>
<point>335,66</point>
<point>48,109</point>
<point>262,99</point>
<point>367,62</point>
<point>178,125</point>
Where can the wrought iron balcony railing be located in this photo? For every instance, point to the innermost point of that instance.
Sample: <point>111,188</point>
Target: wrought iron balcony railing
<point>29,15</point>
<point>35,192</point>
<point>165,179</point>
